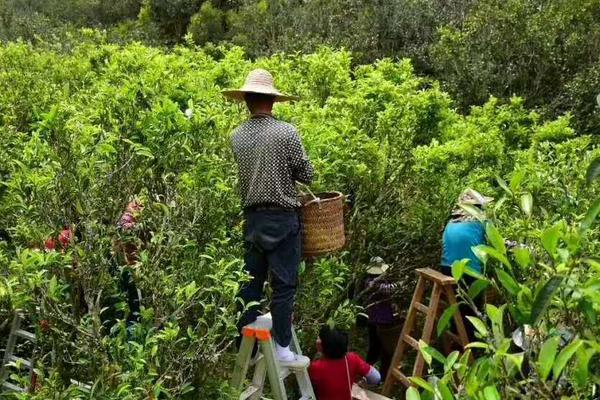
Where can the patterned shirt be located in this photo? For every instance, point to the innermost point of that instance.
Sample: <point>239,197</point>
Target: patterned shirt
<point>270,158</point>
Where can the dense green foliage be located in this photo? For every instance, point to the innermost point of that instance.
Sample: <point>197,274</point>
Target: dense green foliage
<point>84,132</point>
<point>545,52</point>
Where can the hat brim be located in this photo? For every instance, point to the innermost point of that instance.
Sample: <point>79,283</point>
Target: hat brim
<point>476,202</point>
<point>239,95</point>
<point>378,270</point>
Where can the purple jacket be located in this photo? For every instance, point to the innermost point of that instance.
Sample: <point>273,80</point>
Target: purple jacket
<point>380,308</point>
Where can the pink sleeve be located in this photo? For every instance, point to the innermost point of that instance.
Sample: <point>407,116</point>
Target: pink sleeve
<point>359,366</point>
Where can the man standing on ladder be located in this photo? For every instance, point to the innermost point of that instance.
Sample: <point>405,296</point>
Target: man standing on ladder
<point>270,158</point>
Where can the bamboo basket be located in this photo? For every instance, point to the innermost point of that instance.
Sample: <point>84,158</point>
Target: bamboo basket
<point>322,224</point>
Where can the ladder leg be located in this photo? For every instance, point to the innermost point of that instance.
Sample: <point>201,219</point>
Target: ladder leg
<point>260,374</point>
<point>458,318</point>
<point>10,346</point>
<point>273,370</point>
<point>242,361</point>
<point>406,329</point>
<point>428,328</point>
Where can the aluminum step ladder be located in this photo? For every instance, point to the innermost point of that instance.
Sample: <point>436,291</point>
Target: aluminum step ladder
<point>12,361</point>
<point>265,364</point>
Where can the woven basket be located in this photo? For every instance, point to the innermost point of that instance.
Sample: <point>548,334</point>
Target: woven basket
<point>322,224</point>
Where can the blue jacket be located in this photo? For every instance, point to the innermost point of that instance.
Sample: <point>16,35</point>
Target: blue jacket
<point>457,241</point>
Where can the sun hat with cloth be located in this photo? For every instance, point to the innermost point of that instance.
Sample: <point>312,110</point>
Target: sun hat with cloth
<point>473,198</point>
<point>378,266</point>
<point>258,81</point>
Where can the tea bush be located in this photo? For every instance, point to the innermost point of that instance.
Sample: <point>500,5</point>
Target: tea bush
<point>86,132</point>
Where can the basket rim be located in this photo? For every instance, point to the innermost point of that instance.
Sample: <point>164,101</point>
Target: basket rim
<point>318,200</point>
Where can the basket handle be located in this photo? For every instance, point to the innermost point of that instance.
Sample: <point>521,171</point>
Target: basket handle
<point>314,198</point>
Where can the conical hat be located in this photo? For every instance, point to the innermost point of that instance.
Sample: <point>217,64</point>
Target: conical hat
<point>258,81</point>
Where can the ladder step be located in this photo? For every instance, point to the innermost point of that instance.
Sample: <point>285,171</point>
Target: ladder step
<point>284,373</point>
<point>421,307</point>
<point>12,387</point>
<point>21,361</point>
<point>25,335</point>
<point>250,390</point>
<point>412,342</point>
<point>401,377</point>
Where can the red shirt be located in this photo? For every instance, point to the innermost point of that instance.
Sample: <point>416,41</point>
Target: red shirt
<point>330,378</point>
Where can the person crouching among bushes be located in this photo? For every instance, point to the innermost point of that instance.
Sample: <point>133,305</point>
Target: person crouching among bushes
<point>333,375</point>
<point>463,232</point>
<point>383,317</point>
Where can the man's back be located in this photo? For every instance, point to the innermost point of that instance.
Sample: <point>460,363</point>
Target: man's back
<point>270,158</point>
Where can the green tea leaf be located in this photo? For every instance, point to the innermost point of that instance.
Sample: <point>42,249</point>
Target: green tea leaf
<point>527,203</point>
<point>581,372</point>
<point>522,256</point>
<point>543,299</point>
<point>491,393</point>
<point>492,252</point>
<point>496,315</point>
<point>412,394</point>
<point>590,216</point>
<point>458,268</point>
<point>430,353</point>
<point>546,358</point>
<point>517,179</point>
<point>550,238</point>
<point>445,318</point>
<point>479,325</point>
<point>495,238</point>
<point>451,360</point>
<point>565,356</point>
<point>477,287</point>
<point>445,391</point>
<point>422,383</point>
<point>504,185</point>
<point>507,282</point>
<point>593,170</point>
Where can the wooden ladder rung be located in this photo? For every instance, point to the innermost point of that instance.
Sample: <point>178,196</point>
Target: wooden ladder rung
<point>412,342</point>
<point>422,308</point>
<point>400,376</point>
<point>25,335</point>
<point>431,274</point>
<point>21,361</point>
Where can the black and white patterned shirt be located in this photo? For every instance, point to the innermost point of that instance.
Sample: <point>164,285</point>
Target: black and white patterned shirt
<point>270,158</point>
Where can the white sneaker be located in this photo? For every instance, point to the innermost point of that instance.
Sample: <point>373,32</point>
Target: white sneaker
<point>297,362</point>
<point>289,359</point>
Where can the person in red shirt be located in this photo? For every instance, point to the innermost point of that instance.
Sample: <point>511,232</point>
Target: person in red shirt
<point>334,373</point>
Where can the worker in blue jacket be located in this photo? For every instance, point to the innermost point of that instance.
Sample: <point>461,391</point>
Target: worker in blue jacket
<point>463,232</point>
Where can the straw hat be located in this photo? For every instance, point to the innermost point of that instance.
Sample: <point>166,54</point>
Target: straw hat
<point>258,81</point>
<point>379,266</point>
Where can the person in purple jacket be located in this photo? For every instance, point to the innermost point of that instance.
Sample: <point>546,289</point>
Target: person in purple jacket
<point>383,317</point>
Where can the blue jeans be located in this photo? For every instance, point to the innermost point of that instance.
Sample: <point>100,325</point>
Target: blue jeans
<point>273,247</point>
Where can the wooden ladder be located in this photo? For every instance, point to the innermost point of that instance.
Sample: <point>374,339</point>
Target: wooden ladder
<point>443,286</point>
<point>11,360</point>
<point>265,364</point>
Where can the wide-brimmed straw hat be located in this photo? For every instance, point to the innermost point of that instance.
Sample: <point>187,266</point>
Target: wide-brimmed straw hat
<point>258,81</point>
